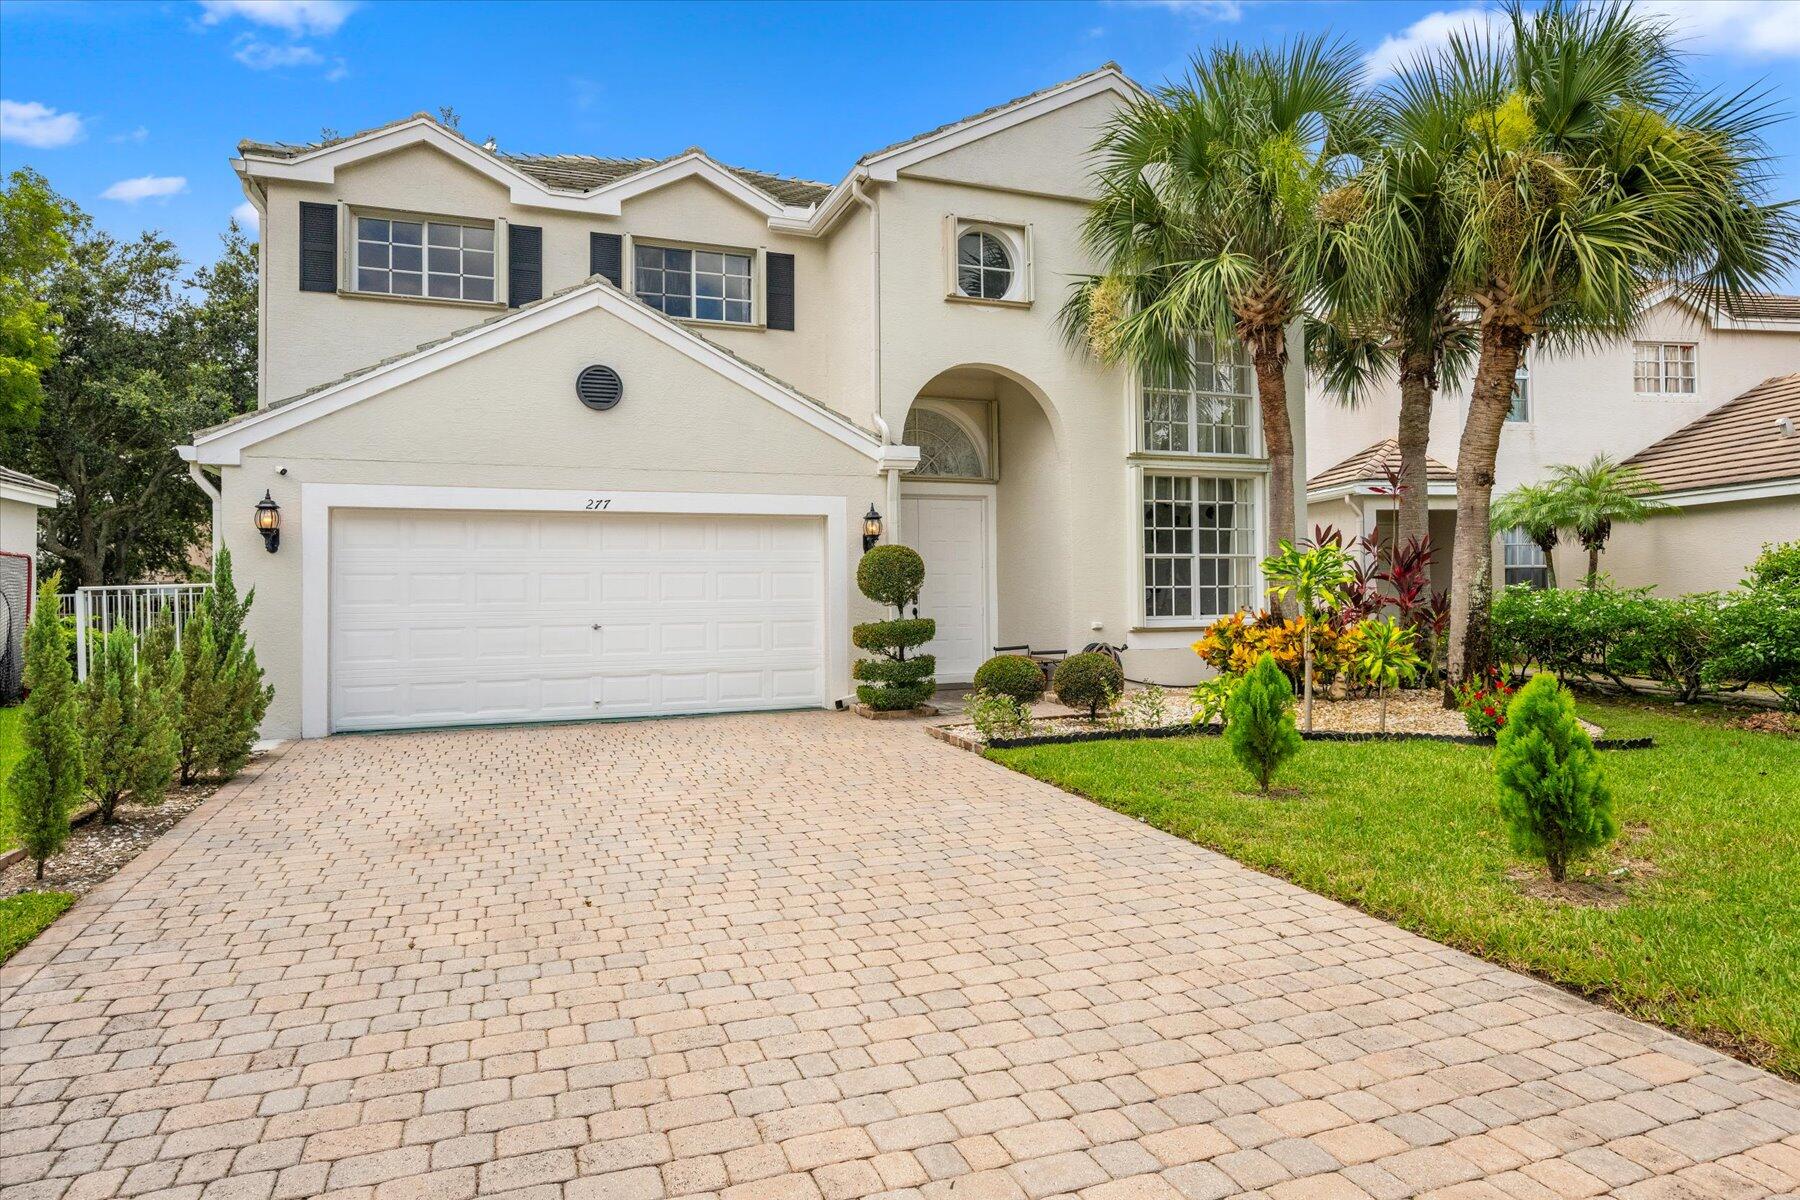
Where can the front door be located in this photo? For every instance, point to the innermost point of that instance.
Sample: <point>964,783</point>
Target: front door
<point>950,532</point>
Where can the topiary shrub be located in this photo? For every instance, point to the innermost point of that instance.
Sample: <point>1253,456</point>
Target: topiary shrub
<point>1011,675</point>
<point>893,682</point>
<point>1090,681</point>
<point>1259,721</point>
<point>1552,796</point>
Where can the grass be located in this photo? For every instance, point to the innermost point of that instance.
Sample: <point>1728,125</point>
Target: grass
<point>12,746</point>
<point>26,915</point>
<point>1706,940</point>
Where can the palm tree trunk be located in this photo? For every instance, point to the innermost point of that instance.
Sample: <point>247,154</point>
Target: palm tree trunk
<point>1593,574</point>
<point>1414,438</point>
<point>1269,354</point>
<point>1471,564</point>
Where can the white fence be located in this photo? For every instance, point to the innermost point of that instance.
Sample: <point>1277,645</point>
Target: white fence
<point>99,610</point>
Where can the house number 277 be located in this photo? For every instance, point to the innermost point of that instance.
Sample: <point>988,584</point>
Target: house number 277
<point>594,505</point>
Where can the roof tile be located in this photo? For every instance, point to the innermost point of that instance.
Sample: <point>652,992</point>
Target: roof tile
<point>1741,441</point>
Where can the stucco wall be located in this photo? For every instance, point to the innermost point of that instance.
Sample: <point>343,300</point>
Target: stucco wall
<point>18,527</point>
<point>1701,548</point>
<point>509,419</point>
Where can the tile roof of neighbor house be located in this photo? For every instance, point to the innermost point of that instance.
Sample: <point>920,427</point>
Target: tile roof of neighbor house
<point>1373,465</point>
<point>1763,306</point>
<point>1741,441</point>
<point>21,479</point>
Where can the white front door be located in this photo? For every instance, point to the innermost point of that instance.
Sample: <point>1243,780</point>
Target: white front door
<point>457,618</point>
<point>950,532</point>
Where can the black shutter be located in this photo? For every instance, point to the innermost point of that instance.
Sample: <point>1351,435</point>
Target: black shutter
<point>606,256</point>
<point>780,284</point>
<point>318,247</point>
<point>524,264</point>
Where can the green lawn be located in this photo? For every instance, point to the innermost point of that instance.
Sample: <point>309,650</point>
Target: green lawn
<point>24,916</point>
<point>1707,941</point>
<point>12,745</point>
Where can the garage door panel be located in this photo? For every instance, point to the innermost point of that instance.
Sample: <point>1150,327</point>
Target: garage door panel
<point>454,618</point>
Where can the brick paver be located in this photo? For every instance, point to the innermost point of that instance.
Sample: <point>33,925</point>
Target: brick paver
<point>795,957</point>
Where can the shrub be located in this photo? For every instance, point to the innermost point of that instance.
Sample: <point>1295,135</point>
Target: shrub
<point>1146,708</point>
<point>1483,703</point>
<point>1668,640</point>
<point>1756,640</point>
<point>1552,796</point>
<point>129,745</point>
<point>46,781</point>
<point>1570,633</point>
<point>1090,681</point>
<point>1778,564</point>
<point>223,697</point>
<point>1232,644</point>
<point>1209,698</point>
<point>997,715</point>
<point>892,682</point>
<point>1259,721</point>
<point>1383,654</point>
<point>1011,675</point>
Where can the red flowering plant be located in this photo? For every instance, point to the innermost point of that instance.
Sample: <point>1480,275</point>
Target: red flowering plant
<point>1483,702</point>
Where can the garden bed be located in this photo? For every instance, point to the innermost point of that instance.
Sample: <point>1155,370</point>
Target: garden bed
<point>94,852</point>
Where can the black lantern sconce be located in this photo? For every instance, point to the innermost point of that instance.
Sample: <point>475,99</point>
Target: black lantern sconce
<point>871,529</point>
<point>268,521</point>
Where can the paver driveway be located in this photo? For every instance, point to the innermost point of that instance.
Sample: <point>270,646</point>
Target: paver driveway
<point>795,957</point>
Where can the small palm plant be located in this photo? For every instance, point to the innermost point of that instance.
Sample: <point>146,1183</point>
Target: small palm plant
<point>1384,654</point>
<point>1600,495</point>
<point>1541,510</point>
<point>1314,578</point>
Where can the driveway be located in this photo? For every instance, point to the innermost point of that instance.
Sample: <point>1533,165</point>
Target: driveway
<point>791,958</point>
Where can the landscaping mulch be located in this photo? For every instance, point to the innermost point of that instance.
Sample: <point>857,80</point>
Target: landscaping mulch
<point>94,852</point>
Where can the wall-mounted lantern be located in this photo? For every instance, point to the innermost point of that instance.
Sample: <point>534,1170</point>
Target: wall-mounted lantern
<point>871,529</point>
<point>268,521</point>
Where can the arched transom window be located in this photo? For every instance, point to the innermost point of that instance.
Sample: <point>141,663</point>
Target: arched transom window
<point>946,451</point>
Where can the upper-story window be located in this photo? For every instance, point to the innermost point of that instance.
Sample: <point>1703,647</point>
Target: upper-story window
<point>700,285</point>
<point>1210,412</point>
<point>989,261</point>
<point>443,260</point>
<point>1663,369</point>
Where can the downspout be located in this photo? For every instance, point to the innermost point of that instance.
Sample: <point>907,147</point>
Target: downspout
<point>892,476</point>
<point>212,493</point>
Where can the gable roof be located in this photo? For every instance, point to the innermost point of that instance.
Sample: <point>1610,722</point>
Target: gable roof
<point>1371,466</point>
<point>1741,442</point>
<point>29,489</point>
<point>1764,311</point>
<point>223,444</point>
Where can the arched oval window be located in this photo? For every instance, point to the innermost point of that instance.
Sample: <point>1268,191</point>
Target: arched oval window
<point>946,451</point>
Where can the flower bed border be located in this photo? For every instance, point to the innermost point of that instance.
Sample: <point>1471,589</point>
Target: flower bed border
<point>964,742</point>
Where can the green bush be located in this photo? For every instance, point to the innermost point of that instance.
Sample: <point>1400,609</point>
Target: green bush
<point>1210,697</point>
<point>1552,796</point>
<point>223,697</point>
<point>892,682</point>
<point>1778,564</point>
<point>1090,681</point>
<point>46,781</point>
<point>997,715</point>
<point>1756,640</point>
<point>1568,632</point>
<point>129,745</point>
<point>1259,721</point>
<point>1668,640</point>
<point>891,575</point>
<point>1011,675</point>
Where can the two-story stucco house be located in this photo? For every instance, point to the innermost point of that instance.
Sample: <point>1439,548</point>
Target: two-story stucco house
<point>558,437</point>
<point>1704,400</point>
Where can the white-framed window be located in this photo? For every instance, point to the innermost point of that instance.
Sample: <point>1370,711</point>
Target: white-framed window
<point>442,260</point>
<point>946,448</point>
<point>1213,412</point>
<point>1663,369</point>
<point>1523,560</point>
<point>1199,546</point>
<point>1520,412</point>
<point>989,261</point>
<point>699,285</point>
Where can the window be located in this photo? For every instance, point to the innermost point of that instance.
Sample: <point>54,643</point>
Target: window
<point>1523,560</point>
<point>1520,412</point>
<point>1664,369</point>
<point>702,285</point>
<point>1199,546</point>
<point>1212,415</point>
<point>946,451</point>
<point>984,265</point>
<point>439,259</point>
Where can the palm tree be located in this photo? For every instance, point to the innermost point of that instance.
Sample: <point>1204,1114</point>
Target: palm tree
<point>1600,495</point>
<point>1208,224</point>
<point>1595,171</point>
<point>1315,578</point>
<point>1542,512</point>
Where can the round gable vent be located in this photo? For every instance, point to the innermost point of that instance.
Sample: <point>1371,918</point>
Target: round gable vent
<point>599,387</point>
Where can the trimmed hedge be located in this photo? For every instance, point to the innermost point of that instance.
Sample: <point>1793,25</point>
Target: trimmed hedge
<point>902,634</point>
<point>1011,675</point>
<point>1090,681</point>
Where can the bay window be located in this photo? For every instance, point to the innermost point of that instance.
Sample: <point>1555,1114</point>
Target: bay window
<point>1199,545</point>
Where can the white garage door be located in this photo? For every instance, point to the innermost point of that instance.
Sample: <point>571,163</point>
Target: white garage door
<point>452,618</point>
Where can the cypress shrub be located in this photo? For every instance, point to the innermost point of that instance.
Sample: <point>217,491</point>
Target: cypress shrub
<point>46,782</point>
<point>1552,796</point>
<point>892,682</point>
<point>223,697</point>
<point>128,742</point>
<point>1259,721</point>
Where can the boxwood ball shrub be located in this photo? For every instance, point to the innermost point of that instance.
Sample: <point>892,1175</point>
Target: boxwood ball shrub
<point>1552,796</point>
<point>1259,721</point>
<point>891,681</point>
<point>1011,675</point>
<point>1090,681</point>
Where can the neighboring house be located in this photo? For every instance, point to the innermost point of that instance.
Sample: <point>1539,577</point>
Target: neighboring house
<point>558,436</point>
<point>1683,365</point>
<point>22,497</point>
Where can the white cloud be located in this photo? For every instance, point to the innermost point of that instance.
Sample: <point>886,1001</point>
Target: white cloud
<point>1217,10</point>
<point>146,187</point>
<point>296,17</point>
<point>141,133</point>
<point>1429,33</point>
<point>246,215</point>
<point>32,124</point>
<point>1752,28</point>
<point>261,56</point>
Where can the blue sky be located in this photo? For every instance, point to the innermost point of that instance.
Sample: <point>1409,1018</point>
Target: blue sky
<point>134,109</point>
